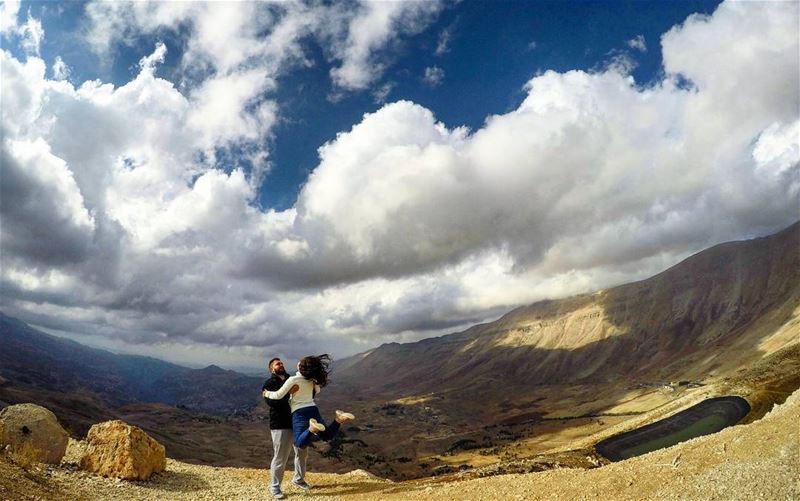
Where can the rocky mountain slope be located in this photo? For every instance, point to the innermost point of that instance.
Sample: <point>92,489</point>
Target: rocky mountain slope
<point>755,461</point>
<point>691,320</point>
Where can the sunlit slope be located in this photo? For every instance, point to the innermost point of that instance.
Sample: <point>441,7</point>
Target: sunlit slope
<point>711,313</point>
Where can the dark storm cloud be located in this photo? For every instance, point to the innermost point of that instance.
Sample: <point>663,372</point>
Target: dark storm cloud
<point>37,222</point>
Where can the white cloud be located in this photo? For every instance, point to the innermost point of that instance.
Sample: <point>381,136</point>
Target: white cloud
<point>637,43</point>
<point>401,193</point>
<point>228,36</point>
<point>61,70</point>
<point>380,94</point>
<point>148,63</point>
<point>443,43</point>
<point>620,62</point>
<point>8,16</point>
<point>777,150</point>
<point>407,227</point>
<point>30,34</point>
<point>44,217</point>
<point>434,76</point>
<point>227,109</point>
<point>375,25</point>
<point>21,98</point>
<point>233,53</point>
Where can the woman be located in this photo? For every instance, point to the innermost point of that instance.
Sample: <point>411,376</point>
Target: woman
<point>307,423</point>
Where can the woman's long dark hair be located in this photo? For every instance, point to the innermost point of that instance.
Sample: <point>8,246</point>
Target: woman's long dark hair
<point>316,368</point>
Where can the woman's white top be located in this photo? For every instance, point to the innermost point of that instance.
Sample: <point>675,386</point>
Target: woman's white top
<point>304,397</point>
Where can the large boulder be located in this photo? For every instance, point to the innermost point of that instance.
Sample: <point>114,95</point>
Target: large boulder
<point>117,449</point>
<point>32,432</point>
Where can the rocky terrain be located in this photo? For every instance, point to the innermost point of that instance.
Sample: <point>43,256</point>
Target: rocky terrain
<point>759,460</point>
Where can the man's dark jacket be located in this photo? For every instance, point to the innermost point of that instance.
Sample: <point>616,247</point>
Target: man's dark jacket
<point>280,414</point>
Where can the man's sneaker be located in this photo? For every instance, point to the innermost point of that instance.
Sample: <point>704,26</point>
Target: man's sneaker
<point>302,484</point>
<point>344,417</point>
<point>315,426</point>
<point>278,495</point>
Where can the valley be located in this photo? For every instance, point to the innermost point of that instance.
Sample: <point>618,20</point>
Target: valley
<point>533,390</point>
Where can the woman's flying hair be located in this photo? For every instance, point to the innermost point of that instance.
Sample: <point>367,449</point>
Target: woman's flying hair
<point>316,368</point>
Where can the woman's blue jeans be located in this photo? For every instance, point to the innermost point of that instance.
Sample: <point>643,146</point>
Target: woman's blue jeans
<point>302,435</point>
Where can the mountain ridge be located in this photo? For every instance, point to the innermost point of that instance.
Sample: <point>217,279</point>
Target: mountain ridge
<point>701,317</point>
<point>54,363</point>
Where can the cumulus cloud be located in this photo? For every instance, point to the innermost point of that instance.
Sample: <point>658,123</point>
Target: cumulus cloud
<point>434,76</point>
<point>408,226</point>
<point>44,217</point>
<point>401,193</point>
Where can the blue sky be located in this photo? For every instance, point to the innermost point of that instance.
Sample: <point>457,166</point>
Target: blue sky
<point>227,181</point>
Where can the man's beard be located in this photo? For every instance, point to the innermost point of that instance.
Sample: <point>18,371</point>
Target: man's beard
<point>281,372</point>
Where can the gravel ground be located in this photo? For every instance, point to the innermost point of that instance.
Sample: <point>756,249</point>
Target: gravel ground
<point>759,461</point>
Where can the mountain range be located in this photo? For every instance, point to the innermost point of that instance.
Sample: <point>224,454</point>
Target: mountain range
<point>40,360</point>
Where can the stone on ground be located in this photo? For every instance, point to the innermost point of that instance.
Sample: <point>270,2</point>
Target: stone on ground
<point>32,432</point>
<point>117,449</point>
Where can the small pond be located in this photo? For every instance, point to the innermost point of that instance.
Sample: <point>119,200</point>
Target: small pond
<point>709,416</point>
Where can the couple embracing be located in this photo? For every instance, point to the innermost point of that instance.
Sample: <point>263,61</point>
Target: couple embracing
<point>294,418</point>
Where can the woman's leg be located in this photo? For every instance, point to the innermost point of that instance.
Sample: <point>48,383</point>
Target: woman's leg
<point>330,430</point>
<point>300,418</point>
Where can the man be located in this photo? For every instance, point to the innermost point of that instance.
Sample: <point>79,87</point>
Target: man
<point>280,424</point>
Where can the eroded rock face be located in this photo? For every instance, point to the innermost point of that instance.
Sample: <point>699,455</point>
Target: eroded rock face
<point>117,449</point>
<point>32,431</point>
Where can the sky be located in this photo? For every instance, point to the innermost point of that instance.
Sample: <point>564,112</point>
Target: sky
<point>224,182</point>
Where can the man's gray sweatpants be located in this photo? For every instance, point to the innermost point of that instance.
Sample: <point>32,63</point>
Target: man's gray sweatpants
<point>282,444</point>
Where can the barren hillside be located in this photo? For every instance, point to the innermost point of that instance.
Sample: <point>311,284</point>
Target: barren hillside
<point>755,461</point>
<point>716,302</point>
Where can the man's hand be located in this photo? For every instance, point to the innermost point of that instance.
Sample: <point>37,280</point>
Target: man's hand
<point>294,389</point>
